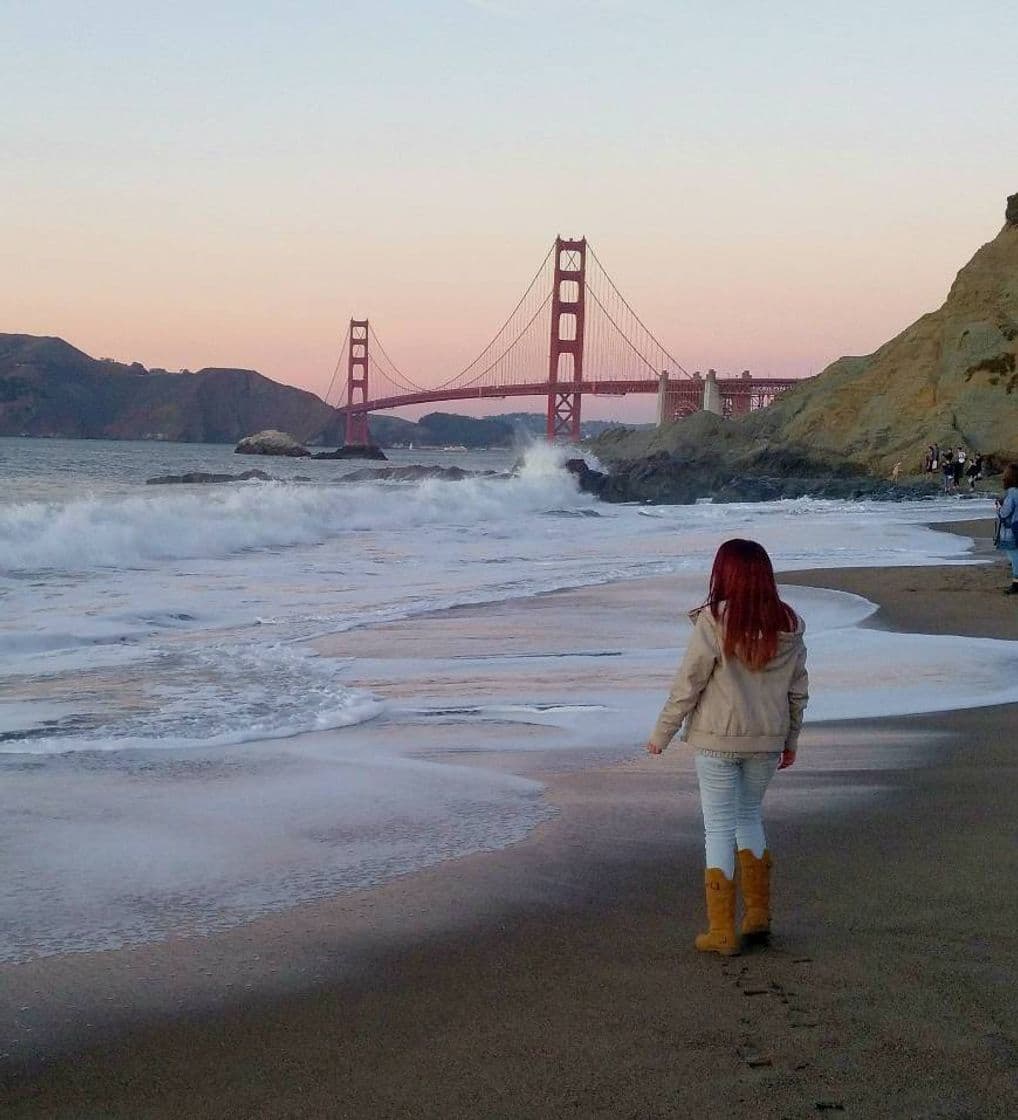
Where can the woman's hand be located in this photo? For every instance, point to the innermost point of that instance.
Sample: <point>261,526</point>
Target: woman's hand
<point>653,748</point>
<point>787,759</point>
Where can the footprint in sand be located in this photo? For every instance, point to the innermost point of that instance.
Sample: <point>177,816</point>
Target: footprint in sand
<point>779,1023</point>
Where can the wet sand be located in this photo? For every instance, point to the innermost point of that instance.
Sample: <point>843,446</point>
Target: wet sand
<point>556,978</point>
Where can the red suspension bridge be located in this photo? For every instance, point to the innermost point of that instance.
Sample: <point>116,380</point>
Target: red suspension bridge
<point>572,334</point>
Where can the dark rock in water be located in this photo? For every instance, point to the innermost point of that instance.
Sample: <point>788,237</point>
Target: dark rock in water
<point>666,479</point>
<point>271,442</point>
<point>412,474</point>
<point>352,451</point>
<point>590,481</point>
<point>202,476</point>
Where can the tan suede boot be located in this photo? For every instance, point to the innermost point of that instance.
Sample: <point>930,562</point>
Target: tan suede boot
<point>721,936</point>
<point>755,880</point>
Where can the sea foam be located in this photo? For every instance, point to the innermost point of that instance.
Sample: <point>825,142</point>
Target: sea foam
<point>223,520</point>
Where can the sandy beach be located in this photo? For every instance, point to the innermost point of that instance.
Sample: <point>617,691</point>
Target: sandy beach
<point>556,977</point>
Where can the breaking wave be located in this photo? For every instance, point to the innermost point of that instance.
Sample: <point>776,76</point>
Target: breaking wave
<point>223,520</point>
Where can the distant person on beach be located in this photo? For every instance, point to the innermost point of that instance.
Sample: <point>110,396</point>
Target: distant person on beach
<point>975,471</point>
<point>959,465</point>
<point>1005,537</point>
<point>947,464</point>
<point>741,690</point>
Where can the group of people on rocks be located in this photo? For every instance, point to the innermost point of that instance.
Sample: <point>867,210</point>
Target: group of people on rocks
<point>954,465</point>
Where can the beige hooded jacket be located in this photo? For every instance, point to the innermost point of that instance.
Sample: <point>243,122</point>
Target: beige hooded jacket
<point>730,707</point>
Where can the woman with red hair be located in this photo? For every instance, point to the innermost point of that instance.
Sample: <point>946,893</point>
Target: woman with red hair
<point>741,691</point>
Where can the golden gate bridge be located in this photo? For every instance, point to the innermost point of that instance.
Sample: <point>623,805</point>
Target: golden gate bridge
<point>572,334</point>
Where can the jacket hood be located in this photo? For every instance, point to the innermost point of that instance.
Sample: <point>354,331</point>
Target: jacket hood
<point>785,636</point>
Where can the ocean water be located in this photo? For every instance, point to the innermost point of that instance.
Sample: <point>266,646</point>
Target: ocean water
<point>221,701</point>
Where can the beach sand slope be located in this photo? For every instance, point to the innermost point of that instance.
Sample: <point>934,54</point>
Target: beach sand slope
<point>890,989</point>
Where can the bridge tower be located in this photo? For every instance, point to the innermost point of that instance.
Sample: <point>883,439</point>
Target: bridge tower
<point>357,384</point>
<point>565,354</point>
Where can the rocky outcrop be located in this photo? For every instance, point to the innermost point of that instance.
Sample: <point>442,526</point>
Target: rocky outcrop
<point>666,479</point>
<point>950,378</point>
<point>352,451</point>
<point>204,477</point>
<point>413,474</point>
<point>272,442</point>
<point>589,480</point>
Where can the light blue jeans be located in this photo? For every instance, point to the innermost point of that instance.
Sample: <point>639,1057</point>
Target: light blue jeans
<point>731,795</point>
<point>1012,555</point>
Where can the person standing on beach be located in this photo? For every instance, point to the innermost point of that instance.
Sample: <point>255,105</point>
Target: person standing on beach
<point>947,465</point>
<point>741,690</point>
<point>959,466</point>
<point>1005,537</point>
<point>975,471</point>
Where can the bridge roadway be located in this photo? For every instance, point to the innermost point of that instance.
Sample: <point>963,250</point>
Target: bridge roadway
<point>732,387</point>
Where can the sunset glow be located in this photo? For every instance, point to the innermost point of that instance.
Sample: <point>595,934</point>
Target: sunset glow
<point>771,186</point>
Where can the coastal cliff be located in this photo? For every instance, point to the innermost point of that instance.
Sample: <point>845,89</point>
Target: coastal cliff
<point>950,378</point>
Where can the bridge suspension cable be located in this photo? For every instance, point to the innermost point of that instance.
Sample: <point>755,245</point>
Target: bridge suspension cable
<point>390,370</point>
<point>555,341</point>
<point>339,366</point>
<point>512,350</point>
<point>525,312</point>
<point>599,277</point>
<point>654,371</point>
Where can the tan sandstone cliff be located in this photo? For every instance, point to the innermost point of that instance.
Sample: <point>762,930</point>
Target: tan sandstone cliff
<point>951,377</point>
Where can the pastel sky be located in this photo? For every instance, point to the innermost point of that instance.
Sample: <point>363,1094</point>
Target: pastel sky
<point>771,184</point>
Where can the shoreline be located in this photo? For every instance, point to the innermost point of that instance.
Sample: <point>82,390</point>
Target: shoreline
<point>621,849</point>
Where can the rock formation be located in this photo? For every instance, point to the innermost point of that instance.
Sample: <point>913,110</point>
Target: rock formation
<point>950,378</point>
<point>194,477</point>
<point>1011,211</point>
<point>352,451</point>
<point>271,442</point>
<point>414,473</point>
<point>712,460</point>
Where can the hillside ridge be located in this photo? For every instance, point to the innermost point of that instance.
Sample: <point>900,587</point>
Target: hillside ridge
<point>949,378</point>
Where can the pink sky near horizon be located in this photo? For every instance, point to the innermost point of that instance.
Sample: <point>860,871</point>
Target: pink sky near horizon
<point>236,203</point>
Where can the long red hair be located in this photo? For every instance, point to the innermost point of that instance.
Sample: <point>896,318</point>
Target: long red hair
<point>744,598</point>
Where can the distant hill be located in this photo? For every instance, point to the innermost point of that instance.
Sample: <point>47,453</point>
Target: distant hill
<point>950,378</point>
<point>49,388</point>
<point>442,429</point>
<point>534,424</point>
